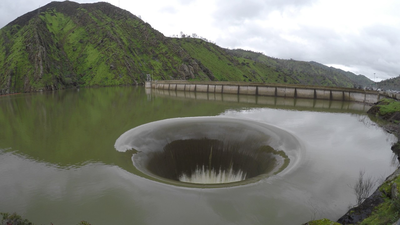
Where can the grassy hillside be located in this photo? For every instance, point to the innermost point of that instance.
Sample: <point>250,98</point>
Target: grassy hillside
<point>224,66</point>
<point>66,44</point>
<point>310,73</point>
<point>390,84</point>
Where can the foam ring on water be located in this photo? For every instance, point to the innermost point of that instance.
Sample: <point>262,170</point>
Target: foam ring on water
<point>209,151</point>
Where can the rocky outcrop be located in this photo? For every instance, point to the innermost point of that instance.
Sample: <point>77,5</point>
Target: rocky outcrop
<point>359,213</point>
<point>189,70</point>
<point>365,209</point>
<point>186,71</point>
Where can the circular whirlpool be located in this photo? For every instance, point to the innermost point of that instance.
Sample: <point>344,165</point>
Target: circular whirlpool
<point>209,151</point>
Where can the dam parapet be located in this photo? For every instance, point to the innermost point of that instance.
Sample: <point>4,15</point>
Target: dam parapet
<point>269,101</point>
<point>272,90</point>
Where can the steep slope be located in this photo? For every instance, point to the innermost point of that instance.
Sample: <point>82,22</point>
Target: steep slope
<point>66,44</point>
<point>310,73</point>
<point>359,80</point>
<point>390,84</point>
<point>224,66</point>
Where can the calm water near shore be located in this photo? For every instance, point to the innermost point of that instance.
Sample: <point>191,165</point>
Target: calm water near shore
<point>58,162</point>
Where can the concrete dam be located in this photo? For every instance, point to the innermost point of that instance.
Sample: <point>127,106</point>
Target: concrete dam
<point>273,90</point>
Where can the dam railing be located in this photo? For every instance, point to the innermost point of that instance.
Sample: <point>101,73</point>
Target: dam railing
<point>274,90</point>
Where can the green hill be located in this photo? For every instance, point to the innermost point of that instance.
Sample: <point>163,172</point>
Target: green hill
<point>66,44</point>
<point>309,73</point>
<point>390,84</point>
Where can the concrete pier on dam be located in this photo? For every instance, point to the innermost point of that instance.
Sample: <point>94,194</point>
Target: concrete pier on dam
<point>269,101</point>
<point>271,90</point>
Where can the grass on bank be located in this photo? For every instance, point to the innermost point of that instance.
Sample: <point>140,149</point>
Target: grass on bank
<point>322,222</point>
<point>388,105</point>
<point>15,219</point>
<point>389,211</point>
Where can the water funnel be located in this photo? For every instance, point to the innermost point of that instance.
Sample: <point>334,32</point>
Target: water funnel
<point>208,151</point>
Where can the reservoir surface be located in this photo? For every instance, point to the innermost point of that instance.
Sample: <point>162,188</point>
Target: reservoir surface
<point>126,155</point>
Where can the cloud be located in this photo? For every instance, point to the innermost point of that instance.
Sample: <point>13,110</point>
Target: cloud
<point>168,10</point>
<point>238,11</point>
<point>374,46</point>
<point>186,2</point>
<point>12,9</point>
<point>362,39</point>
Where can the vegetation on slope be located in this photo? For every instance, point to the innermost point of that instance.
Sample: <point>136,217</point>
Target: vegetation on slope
<point>68,44</point>
<point>65,44</point>
<point>390,84</point>
<point>382,207</point>
<point>223,66</point>
<point>389,211</point>
<point>309,73</point>
<point>387,109</point>
<point>15,219</point>
<point>321,222</point>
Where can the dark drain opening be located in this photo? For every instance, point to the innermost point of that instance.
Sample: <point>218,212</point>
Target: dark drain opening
<point>210,161</point>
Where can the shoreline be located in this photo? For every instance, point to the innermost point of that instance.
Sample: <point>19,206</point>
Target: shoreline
<point>383,205</point>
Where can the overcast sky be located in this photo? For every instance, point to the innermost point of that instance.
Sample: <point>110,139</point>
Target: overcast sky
<point>361,36</point>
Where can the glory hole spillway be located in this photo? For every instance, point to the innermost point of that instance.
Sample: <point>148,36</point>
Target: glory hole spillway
<point>209,152</point>
<point>184,157</point>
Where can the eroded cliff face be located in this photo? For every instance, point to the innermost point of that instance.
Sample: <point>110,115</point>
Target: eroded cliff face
<point>66,44</point>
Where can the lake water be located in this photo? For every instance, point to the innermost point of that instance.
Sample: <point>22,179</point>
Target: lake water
<point>59,163</point>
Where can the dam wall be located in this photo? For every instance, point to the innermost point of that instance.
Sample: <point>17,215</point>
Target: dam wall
<point>270,101</point>
<point>273,90</point>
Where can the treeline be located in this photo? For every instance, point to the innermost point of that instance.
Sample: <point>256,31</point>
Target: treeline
<point>193,35</point>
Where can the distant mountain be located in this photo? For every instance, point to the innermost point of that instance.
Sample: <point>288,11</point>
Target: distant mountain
<point>66,44</point>
<point>390,84</point>
<point>307,73</point>
<point>358,80</point>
